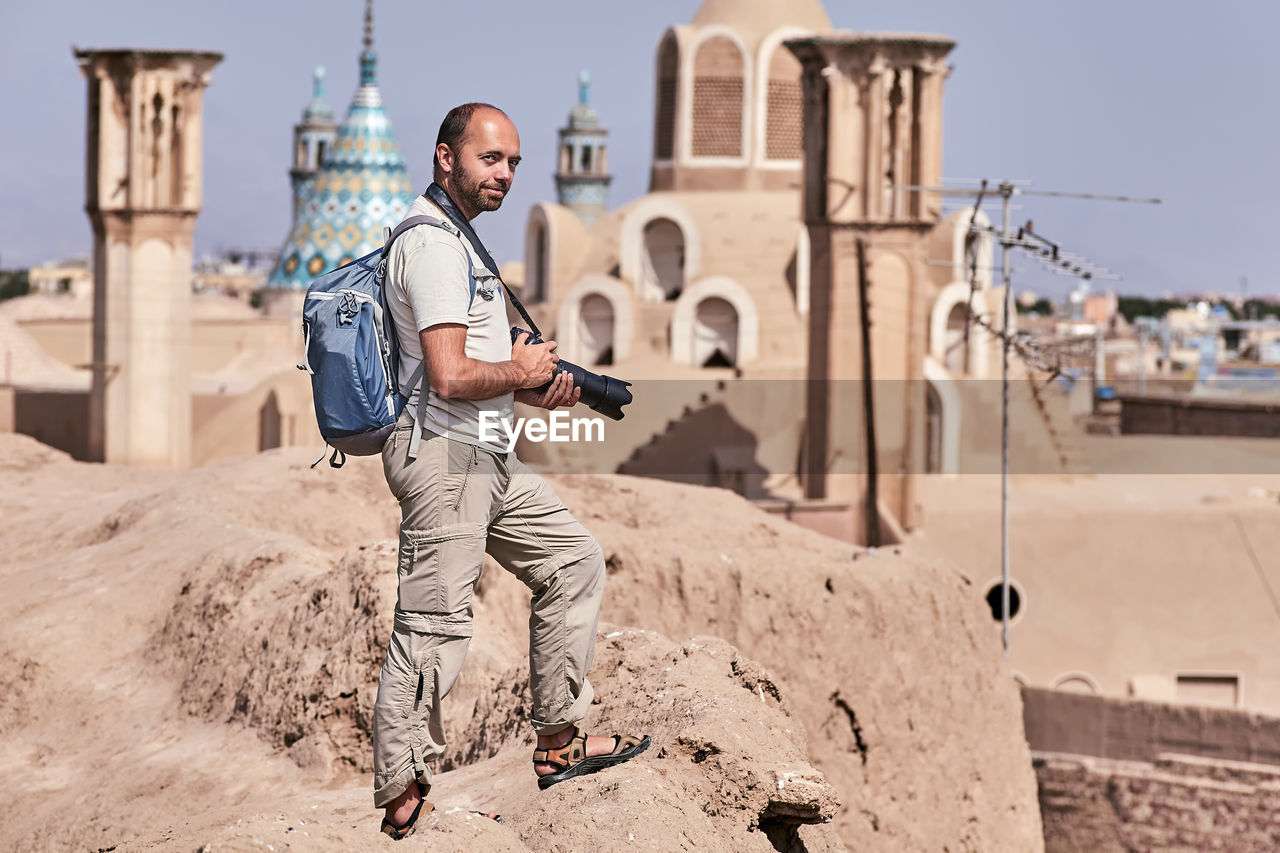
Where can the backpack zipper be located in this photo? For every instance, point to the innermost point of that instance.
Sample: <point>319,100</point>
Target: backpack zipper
<point>384,348</point>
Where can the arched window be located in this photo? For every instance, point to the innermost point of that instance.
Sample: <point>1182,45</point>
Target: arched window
<point>717,99</point>
<point>537,274</point>
<point>715,334</point>
<point>784,108</point>
<point>663,261</point>
<point>664,120</point>
<point>1077,682</point>
<point>269,423</point>
<point>595,329</point>
<point>956,354</point>
<point>932,430</point>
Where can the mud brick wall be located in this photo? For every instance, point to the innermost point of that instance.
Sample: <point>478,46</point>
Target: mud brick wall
<point>1141,731</point>
<point>1176,803</point>
<point>1119,775</point>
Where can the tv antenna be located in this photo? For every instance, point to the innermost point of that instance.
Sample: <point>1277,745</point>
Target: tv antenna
<point>1046,252</point>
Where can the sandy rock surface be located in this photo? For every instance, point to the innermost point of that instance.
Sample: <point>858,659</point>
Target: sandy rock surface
<point>189,659</point>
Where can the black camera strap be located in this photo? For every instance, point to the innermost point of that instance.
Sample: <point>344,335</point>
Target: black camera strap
<point>436,194</point>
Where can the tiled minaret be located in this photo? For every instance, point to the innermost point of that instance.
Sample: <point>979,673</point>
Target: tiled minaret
<point>362,186</point>
<point>313,139</point>
<point>582,181</point>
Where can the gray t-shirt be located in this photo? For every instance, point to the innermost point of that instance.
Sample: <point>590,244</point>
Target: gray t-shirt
<point>428,282</point>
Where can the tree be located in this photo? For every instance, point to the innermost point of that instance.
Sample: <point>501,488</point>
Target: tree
<point>13,283</point>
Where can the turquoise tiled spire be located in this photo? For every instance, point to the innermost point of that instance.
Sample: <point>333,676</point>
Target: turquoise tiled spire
<point>362,186</point>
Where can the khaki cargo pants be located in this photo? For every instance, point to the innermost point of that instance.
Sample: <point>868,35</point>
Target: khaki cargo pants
<point>458,502</point>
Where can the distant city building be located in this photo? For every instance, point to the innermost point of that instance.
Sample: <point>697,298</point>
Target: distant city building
<point>234,273</point>
<point>582,180</point>
<point>1100,309</point>
<point>73,276</point>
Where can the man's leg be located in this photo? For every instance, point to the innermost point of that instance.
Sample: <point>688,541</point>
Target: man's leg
<point>539,541</point>
<point>408,730</point>
<point>447,497</point>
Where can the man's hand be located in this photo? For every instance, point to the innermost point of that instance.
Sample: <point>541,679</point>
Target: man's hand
<point>561,393</point>
<point>537,361</point>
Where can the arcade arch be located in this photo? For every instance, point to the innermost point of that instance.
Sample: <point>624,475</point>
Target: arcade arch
<point>715,315</point>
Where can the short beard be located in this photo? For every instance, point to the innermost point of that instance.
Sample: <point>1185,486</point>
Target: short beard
<point>472,192</point>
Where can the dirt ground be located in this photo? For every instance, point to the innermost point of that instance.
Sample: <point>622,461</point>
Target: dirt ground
<point>188,662</point>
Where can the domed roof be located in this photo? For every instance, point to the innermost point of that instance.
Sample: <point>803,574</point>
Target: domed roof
<point>362,186</point>
<point>763,16</point>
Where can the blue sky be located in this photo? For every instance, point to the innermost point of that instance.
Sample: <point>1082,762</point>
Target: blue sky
<point>1121,97</point>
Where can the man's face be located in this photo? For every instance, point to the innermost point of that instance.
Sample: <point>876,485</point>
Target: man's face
<point>485,165</point>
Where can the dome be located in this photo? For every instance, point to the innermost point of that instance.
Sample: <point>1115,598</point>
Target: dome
<point>763,16</point>
<point>361,187</point>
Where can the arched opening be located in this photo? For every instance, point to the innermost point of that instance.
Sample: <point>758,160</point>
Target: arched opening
<point>537,273</point>
<point>664,120</point>
<point>956,351</point>
<point>932,430</point>
<point>595,329</point>
<point>269,423</point>
<point>784,108</point>
<point>663,262</point>
<point>715,333</point>
<point>595,321</point>
<point>1077,682</point>
<point>717,98</point>
<point>322,149</point>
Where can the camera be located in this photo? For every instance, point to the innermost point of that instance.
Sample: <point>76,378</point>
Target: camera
<point>602,394</point>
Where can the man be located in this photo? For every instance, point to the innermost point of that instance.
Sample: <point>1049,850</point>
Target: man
<point>461,496</point>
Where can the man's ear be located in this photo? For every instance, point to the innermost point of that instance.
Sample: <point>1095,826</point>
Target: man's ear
<point>444,156</point>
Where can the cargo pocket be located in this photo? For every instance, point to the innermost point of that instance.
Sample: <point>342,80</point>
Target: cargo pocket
<point>439,568</point>
<point>458,468</point>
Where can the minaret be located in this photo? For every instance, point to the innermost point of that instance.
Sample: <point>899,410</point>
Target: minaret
<point>313,138</point>
<point>143,194</point>
<point>362,185</point>
<point>582,181</point>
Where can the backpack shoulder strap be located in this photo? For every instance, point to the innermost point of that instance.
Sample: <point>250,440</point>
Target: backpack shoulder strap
<point>418,379</point>
<point>413,222</point>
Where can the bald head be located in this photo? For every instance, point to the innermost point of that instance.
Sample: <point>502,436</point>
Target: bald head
<point>457,124</point>
<point>477,152</point>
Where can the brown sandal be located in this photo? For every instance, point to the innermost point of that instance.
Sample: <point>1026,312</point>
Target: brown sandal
<point>572,759</point>
<point>405,830</point>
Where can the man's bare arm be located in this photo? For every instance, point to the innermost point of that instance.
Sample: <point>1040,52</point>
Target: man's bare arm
<point>454,375</point>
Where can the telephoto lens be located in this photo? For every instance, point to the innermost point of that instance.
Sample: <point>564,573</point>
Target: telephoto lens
<point>602,394</point>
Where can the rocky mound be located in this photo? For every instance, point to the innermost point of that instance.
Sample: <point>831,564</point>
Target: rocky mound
<point>208,634</point>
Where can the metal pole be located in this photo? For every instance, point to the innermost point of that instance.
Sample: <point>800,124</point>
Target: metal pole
<point>868,404</point>
<point>1006,190</point>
